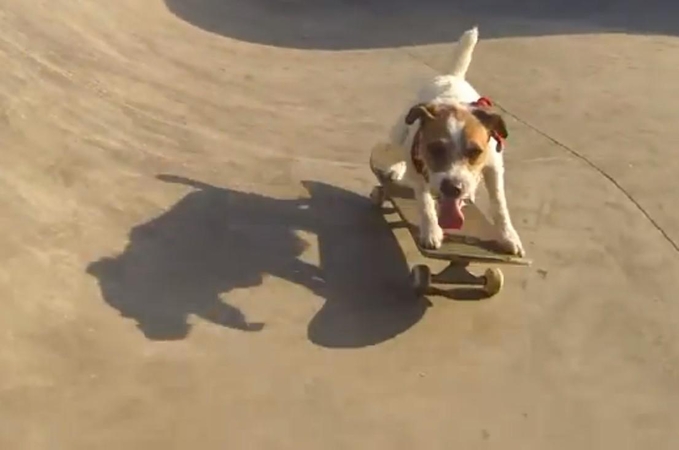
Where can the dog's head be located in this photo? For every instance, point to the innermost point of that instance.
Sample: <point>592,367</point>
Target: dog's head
<point>455,144</point>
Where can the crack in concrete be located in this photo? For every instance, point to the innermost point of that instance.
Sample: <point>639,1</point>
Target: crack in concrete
<point>601,172</point>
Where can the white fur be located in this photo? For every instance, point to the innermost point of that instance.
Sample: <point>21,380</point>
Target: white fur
<point>453,89</point>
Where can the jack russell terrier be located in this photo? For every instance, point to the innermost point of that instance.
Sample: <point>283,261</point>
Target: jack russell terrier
<point>450,140</point>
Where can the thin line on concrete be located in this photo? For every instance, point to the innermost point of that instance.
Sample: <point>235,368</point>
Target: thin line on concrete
<point>601,172</point>
<point>579,156</point>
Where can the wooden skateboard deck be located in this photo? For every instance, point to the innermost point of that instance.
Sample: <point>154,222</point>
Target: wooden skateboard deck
<point>473,243</point>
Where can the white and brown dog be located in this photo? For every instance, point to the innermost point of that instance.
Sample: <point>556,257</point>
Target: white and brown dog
<point>450,140</point>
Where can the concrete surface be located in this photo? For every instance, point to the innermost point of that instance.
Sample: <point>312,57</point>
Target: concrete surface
<point>188,258</point>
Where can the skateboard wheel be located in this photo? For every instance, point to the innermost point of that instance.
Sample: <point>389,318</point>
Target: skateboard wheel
<point>494,281</point>
<point>377,196</point>
<point>420,279</point>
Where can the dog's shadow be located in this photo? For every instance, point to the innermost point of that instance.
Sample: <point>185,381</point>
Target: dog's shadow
<point>214,240</point>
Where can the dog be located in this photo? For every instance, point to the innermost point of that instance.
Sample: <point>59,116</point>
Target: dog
<point>450,140</point>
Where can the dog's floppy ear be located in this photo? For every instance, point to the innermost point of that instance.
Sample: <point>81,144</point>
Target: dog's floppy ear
<point>418,112</point>
<point>494,122</point>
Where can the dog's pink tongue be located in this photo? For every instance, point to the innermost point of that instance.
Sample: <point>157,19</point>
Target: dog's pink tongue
<point>450,214</point>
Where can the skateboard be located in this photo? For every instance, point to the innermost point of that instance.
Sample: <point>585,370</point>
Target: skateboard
<point>473,244</point>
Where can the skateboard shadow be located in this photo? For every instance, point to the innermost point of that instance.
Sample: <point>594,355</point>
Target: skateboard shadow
<point>461,294</point>
<point>347,24</point>
<point>214,240</point>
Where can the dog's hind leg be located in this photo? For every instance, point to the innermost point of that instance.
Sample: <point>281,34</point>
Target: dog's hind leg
<point>397,171</point>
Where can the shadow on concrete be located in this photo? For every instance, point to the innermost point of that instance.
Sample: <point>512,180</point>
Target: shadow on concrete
<point>186,261</point>
<point>363,24</point>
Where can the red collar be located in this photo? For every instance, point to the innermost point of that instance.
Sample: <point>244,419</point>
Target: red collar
<point>485,102</point>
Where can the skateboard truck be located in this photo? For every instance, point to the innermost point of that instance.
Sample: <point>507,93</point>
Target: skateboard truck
<point>458,273</point>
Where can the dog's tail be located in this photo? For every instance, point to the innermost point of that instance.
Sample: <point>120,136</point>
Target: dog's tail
<point>463,52</point>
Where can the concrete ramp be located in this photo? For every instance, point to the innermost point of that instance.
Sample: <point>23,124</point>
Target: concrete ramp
<point>189,259</point>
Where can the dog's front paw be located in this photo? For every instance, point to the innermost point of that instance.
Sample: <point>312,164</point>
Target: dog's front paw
<point>511,243</point>
<point>397,171</point>
<point>431,236</point>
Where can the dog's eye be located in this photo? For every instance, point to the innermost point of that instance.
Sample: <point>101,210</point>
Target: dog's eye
<point>473,152</point>
<point>437,150</point>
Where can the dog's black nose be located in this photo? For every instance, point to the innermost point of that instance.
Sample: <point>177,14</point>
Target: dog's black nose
<point>449,188</point>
